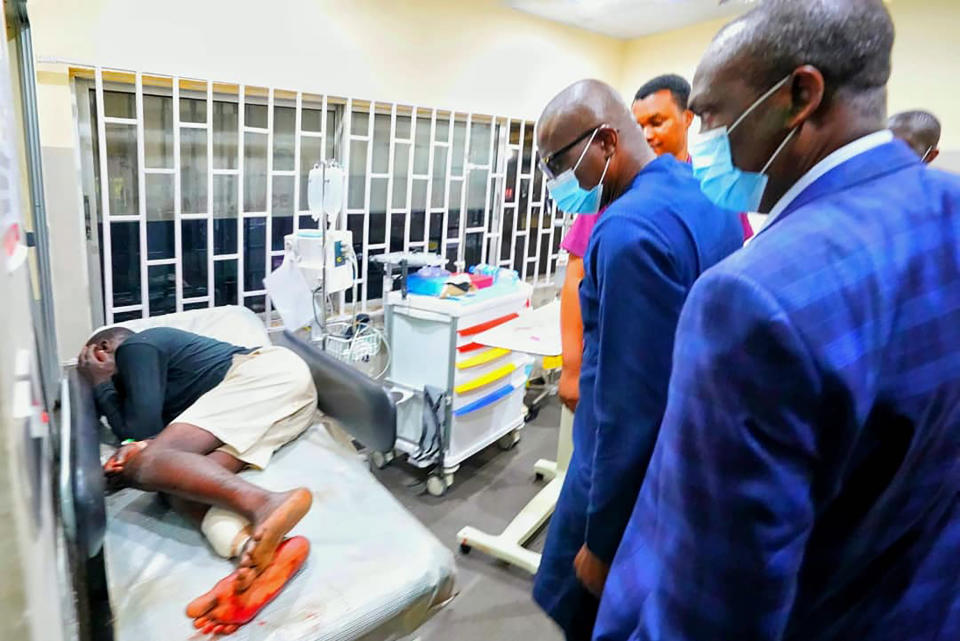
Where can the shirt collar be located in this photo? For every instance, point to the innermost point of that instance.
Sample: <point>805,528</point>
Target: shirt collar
<point>834,160</point>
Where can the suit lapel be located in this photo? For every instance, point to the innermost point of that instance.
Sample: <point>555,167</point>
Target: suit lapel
<point>880,161</point>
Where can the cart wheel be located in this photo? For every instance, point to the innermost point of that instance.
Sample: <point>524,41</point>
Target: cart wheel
<point>509,441</point>
<point>436,485</point>
<point>464,548</point>
<point>379,459</point>
<point>531,414</point>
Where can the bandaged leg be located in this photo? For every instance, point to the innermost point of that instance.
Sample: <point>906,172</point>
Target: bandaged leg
<point>226,531</point>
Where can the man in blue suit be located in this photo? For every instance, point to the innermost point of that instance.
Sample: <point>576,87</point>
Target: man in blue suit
<point>655,236</point>
<point>806,481</point>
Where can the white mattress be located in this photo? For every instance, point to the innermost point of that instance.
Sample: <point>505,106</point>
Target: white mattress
<point>374,571</point>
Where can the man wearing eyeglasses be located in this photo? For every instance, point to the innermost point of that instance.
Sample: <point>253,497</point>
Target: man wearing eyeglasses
<point>658,233</point>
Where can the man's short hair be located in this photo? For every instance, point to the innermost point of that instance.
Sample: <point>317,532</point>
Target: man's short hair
<point>111,333</point>
<point>849,41</point>
<point>678,87</point>
<point>919,125</point>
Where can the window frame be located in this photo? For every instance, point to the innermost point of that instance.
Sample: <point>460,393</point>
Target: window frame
<point>533,222</point>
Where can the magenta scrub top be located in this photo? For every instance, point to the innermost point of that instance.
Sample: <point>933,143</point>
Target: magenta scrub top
<point>578,237</point>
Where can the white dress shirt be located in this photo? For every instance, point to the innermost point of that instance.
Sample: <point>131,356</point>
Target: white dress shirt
<point>835,159</point>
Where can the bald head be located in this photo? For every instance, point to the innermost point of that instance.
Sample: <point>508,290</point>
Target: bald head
<point>588,128</point>
<point>583,105</point>
<point>848,41</point>
<point>919,129</point>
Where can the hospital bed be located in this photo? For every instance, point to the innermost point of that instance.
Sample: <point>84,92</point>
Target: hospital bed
<point>374,571</point>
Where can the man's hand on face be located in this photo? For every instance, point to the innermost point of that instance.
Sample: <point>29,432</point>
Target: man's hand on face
<point>591,571</point>
<point>93,367</point>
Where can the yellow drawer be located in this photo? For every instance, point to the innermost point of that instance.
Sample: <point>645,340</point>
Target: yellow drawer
<point>483,357</point>
<point>490,377</point>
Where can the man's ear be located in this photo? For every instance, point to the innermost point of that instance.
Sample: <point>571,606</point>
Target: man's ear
<point>807,89</point>
<point>687,118</point>
<point>932,155</point>
<point>609,139</point>
<point>104,345</point>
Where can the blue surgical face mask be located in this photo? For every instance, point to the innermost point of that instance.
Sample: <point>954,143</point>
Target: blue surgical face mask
<point>722,182</point>
<point>566,191</point>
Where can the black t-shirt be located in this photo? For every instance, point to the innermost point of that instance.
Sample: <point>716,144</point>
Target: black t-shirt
<point>161,372</point>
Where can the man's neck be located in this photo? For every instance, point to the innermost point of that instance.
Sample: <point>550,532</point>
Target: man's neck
<point>631,167</point>
<point>834,137</point>
<point>683,155</point>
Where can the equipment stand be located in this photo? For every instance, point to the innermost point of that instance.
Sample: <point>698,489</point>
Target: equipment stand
<point>508,545</point>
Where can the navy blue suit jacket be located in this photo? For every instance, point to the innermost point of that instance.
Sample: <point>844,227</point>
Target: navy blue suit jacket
<point>647,249</point>
<point>806,481</point>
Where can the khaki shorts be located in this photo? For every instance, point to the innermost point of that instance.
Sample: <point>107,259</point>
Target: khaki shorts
<point>266,400</point>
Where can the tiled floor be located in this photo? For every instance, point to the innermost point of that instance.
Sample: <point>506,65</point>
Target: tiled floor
<point>494,601</point>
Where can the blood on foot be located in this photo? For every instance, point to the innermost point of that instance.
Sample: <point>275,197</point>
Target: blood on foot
<point>222,610</point>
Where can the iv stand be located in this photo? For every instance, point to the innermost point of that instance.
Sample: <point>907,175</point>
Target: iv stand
<point>320,333</point>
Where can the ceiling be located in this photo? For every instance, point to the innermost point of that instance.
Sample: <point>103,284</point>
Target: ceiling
<point>630,18</point>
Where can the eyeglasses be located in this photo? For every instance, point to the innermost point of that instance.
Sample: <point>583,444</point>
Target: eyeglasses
<point>548,163</point>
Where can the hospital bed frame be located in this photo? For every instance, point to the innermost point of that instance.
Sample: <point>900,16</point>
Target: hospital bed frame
<point>361,406</point>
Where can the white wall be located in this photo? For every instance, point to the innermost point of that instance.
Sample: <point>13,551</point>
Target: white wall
<point>468,55</point>
<point>926,55</point>
<point>675,51</point>
<point>68,256</point>
<point>475,55</point>
<point>925,58</point>
<point>472,55</point>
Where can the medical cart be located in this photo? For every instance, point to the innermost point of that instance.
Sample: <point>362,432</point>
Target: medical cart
<point>536,333</point>
<point>473,393</point>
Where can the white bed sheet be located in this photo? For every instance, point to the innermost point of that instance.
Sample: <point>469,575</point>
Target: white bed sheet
<point>374,571</point>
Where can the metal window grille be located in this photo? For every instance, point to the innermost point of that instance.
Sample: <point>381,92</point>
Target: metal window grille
<point>192,184</point>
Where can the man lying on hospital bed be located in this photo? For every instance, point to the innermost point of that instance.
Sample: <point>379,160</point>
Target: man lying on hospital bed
<point>193,412</point>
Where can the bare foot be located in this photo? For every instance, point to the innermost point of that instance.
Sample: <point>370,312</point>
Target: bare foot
<point>276,520</point>
<point>222,610</point>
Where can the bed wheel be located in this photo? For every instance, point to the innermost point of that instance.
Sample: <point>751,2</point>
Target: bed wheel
<point>465,549</point>
<point>530,414</point>
<point>381,459</point>
<point>436,485</point>
<point>539,476</point>
<point>509,440</point>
